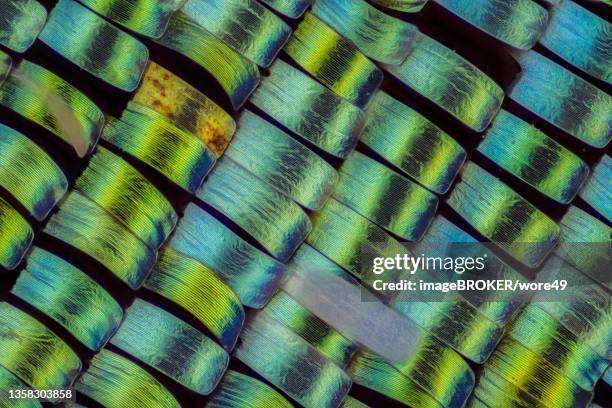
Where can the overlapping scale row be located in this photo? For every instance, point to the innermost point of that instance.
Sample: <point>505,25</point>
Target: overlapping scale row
<point>558,343</point>
<point>143,17</point>
<point>290,8</point>
<point>290,363</point>
<point>309,109</point>
<point>596,192</point>
<point>518,23</point>
<point>22,21</point>
<point>89,228</point>
<point>164,245</point>
<point>69,297</point>
<point>334,61</point>
<point>385,197</point>
<point>133,383</point>
<point>9,381</point>
<point>26,163</point>
<point>410,142</point>
<point>503,216</point>
<point>195,288</point>
<point>378,35</point>
<point>342,235</point>
<point>34,353</point>
<point>240,390</point>
<point>251,273</point>
<point>186,107</point>
<point>41,96</point>
<point>579,230</point>
<point>171,346</point>
<point>563,99</point>
<point>236,75</point>
<point>339,300</point>
<point>534,157</point>
<point>147,136</point>
<point>281,161</point>
<point>92,44</point>
<point>590,45</point>
<point>449,81</point>
<point>271,218</point>
<point>245,25</point>
<point>443,238</point>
